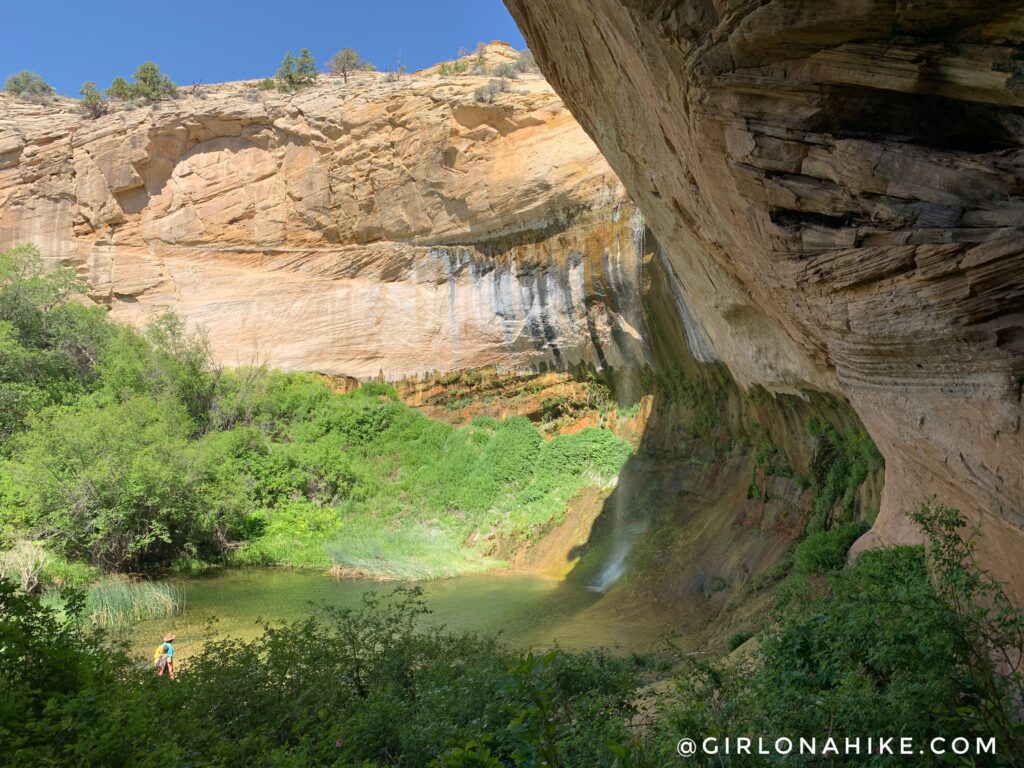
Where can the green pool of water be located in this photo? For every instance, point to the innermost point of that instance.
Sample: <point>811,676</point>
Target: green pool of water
<point>526,611</point>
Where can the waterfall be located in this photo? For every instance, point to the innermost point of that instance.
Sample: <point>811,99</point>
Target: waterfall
<point>625,531</point>
<point>638,230</point>
<point>616,565</point>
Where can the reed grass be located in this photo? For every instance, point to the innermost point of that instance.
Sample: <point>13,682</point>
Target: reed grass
<point>118,601</point>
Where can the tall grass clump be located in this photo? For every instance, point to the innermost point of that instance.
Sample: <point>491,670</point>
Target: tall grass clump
<point>117,601</point>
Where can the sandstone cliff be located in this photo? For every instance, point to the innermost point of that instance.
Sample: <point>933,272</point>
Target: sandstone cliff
<point>382,225</point>
<point>839,188</point>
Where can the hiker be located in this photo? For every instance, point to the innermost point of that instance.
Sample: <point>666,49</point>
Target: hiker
<point>165,657</point>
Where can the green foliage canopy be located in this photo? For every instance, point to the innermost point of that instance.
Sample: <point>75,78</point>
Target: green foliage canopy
<point>149,83</point>
<point>129,449</point>
<point>296,73</point>
<point>345,61</point>
<point>28,85</point>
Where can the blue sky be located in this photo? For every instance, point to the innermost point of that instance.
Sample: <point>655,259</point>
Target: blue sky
<point>69,42</point>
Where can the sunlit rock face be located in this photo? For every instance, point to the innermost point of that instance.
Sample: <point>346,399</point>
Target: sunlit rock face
<point>839,188</point>
<point>398,227</point>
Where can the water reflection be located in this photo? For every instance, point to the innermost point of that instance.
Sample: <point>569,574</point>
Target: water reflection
<point>525,610</point>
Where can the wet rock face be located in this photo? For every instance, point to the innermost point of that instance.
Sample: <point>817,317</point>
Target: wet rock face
<point>384,225</point>
<point>840,189</point>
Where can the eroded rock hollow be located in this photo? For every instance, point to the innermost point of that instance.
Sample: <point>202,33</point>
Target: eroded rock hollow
<point>840,189</point>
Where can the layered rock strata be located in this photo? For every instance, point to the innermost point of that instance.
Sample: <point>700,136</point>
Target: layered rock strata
<point>387,225</point>
<point>840,189</point>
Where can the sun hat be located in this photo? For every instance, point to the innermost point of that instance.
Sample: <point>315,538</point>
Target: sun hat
<point>168,637</point>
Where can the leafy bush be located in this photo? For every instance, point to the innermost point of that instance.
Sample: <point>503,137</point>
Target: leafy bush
<point>292,534</point>
<point>165,361</point>
<point>506,71</point>
<point>486,93</point>
<point>378,389</point>
<point>120,89</point>
<point>841,463</point>
<point>45,662</point>
<point>59,573</point>
<point>109,485</point>
<point>826,550</point>
<point>346,61</point>
<point>48,345</point>
<point>29,86</point>
<point>296,73</point>
<point>370,686</point>
<point>868,646</point>
<point>149,84</point>
<point>92,103</point>
<point>128,449</point>
<point>449,68</point>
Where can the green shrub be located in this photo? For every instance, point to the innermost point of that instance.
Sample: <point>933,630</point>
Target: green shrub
<point>267,84</point>
<point>346,61</point>
<point>149,84</point>
<point>378,389</point>
<point>48,344</point>
<point>292,534</point>
<point>449,68</point>
<point>92,103</point>
<point>120,89</point>
<point>867,646</point>
<point>841,463</point>
<point>630,411</point>
<point>296,73</point>
<point>826,550</point>
<point>373,686</point>
<point>30,86</point>
<point>189,566</point>
<point>61,573</point>
<point>128,449</point>
<point>110,485</point>
<point>507,71</point>
<point>506,464</point>
<point>776,571</point>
